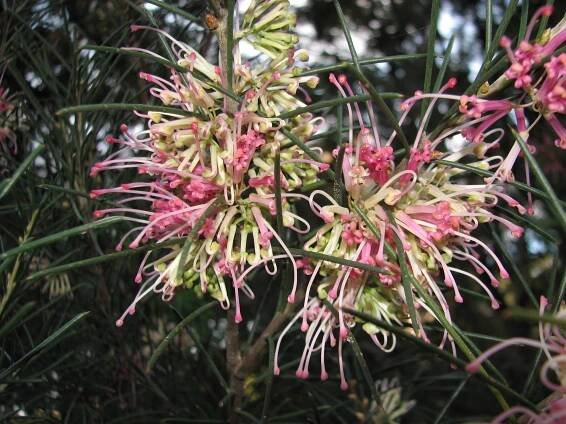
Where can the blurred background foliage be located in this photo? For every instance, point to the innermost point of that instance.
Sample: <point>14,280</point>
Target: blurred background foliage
<point>61,357</point>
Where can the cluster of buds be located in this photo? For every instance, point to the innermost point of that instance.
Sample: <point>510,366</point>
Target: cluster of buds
<point>538,73</point>
<point>209,170</point>
<point>547,91</point>
<point>268,26</point>
<point>392,407</point>
<point>552,341</point>
<point>423,206</point>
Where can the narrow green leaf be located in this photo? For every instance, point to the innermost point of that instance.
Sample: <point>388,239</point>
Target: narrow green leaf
<point>122,106</point>
<point>100,259</point>
<point>340,194</point>
<point>489,67</point>
<point>174,9</point>
<point>374,230</point>
<point>22,312</point>
<point>194,233</point>
<point>484,173</point>
<point>81,229</point>
<point>405,276</point>
<point>445,63</point>
<point>451,400</point>
<point>431,41</point>
<point>8,183</point>
<point>211,364</point>
<point>543,21</point>
<point>52,339</point>
<point>323,104</point>
<point>402,333</point>
<point>229,44</point>
<point>358,354</point>
<point>379,413</point>
<point>533,315</point>
<point>268,383</point>
<point>488,24</point>
<point>175,332</point>
<point>375,95</point>
<point>514,267</point>
<point>278,199</point>
<point>458,339</point>
<point>556,300</point>
<point>509,12</point>
<point>134,53</point>
<point>65,190</point>
<point>524,20</point>
<point>336,260</point>
<point>311,153</point>
<point>553,201</point>
<point>370,61</point>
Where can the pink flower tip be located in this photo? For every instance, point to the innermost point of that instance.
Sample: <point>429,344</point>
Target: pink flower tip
<point>276,370</point>
<point>344,385</point>
<point>138,278</point>
<point>132,310</point>
<point>94,194</point>
<point>119,247</point>
<point>98,214</point>
<point>250,94</point>
<point>323,376</point>
<point>495,304</point>
<point>124,128</point>
<point>135,27</point>
<point>459,299</point>
<point>133,245</point>
<point>406,104</point>
<point>472,367</point>
<point>304,326</point>
<point>505,42</point>
<point>332,294</point>
<point>343,332</point>
<point>332,78</point>
<point>452,82</point>
<point>238,318</point>
<point>291,298</point>
<point>504,274</point>
<point>342,79</point>
<point>543,301</point>
<point>547,10</point>
<point>119,322</point>
<point>324,166</point>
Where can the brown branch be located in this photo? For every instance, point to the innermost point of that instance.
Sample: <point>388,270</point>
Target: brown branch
<point>252,359</point>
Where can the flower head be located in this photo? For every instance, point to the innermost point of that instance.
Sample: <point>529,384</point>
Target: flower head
<point>209,171</point>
